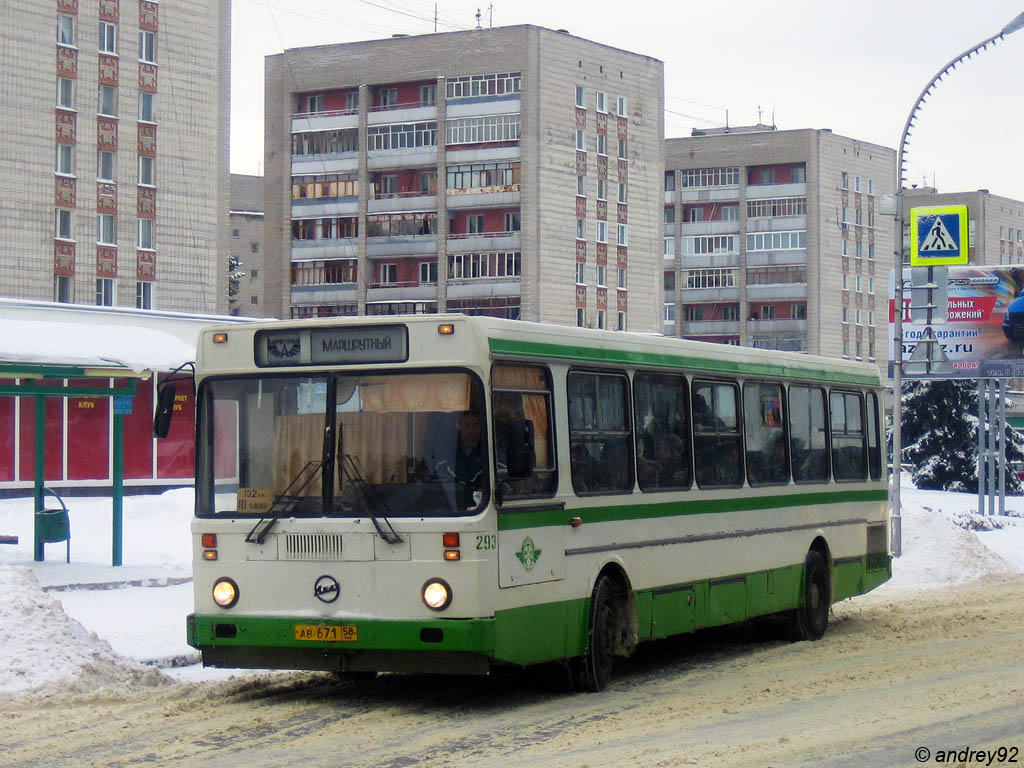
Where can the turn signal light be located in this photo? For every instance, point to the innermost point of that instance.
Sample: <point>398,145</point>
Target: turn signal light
<point>209,554</point>
<point>220,338</point>
<point>446,329</point>
<point>451,554</point>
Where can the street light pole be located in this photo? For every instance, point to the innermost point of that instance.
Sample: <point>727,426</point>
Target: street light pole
<point>897,373</point>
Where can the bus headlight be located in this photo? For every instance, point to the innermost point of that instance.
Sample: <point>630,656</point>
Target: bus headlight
<point>437,594</point>
<point>225,593</point>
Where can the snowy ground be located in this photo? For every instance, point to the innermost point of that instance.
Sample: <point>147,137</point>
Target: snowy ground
<point>89,624</point>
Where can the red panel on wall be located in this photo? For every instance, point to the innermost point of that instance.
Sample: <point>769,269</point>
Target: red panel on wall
<point>138,433</point>
<point>54,440</point>
<point>6,435</point>
<point>88,433</point>
<point>175,454</point>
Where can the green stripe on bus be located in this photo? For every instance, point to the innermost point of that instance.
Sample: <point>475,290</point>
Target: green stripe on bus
<point>510,521</point>
<point>668,360</point>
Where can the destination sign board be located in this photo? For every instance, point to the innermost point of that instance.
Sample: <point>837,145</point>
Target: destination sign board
<point>348,345</point>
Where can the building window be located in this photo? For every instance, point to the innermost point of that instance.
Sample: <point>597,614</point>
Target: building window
<point>694,214</point>
<point>622,149</point>
<point>581,269</point>
<point>581,188</point>
<point>767,312</point>
<point>621,321</point>
<point>147,107</point>
<point>777,241</point>
<point>670,214</point>
<point>483,85</point>
<point>352,101</point>
<point>798,175</point>
<point>388,273</point>
<point>581,140</point>
<point>694,313</point>
<point>856,183</point>
<point>622,277</point>
<point>670,181</point>
<point>580,229</point>
<point>388,185</point>
<point>475,224</point>
<point>147,46</point>
<point>106,234</point>
<point>871,186</point>
<point>777,206</point>
<point>602,101</point>
<point>144,294</point>
<point>601,313</point>
<point>146,170</point>
<point>63,289</point>
<point>602,144</point>
<point>106,165</point>
<point>602,231</point>
<point>710,278</point>
<point>712,177</point>
<point>63,164</point>
<point>730,213</point>
<point>428,95</point>
<point>620,106</point>
<point>401,136</point>
<point>623,189</point>
<point>104,292</point>
<point>844,180</point>
<point>65,29</point>
<point>428,183</point>
<point>513,222</point>
<point>108,37</point>
<point>602,193</point>
<point>798,311</point>
<point>107,100</point>
<point>601,270</point>
<point>145,234</point>
<point>670,281</point>
<point>581,96</point>
<point>579,317</point>
<point>234,233</point>
<point>388,97</point>
<point>670,247</point>
<point>254,248</point>
<point>474,130</point>
<point>669,312</point>
<point>428,272</point>
<point>63,224</point>
<point>623,234</point>
<point>65,92</point>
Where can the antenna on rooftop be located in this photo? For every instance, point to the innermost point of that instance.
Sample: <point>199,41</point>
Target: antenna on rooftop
<point>490,15</point>
<point>478,15</point>
<point>758,114</point>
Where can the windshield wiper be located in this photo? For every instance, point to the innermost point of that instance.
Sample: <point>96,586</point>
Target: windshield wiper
<point>374,499</point>
<point>286,501</point>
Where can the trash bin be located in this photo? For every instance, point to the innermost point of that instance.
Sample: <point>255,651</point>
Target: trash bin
<point>53,525</point>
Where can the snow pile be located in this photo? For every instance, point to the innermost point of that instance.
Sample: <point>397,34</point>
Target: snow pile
<point>41,648</point>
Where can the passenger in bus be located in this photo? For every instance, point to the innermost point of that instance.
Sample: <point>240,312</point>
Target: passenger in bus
<point>468,458</point>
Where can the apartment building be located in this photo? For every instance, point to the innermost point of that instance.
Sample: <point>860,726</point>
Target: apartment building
<point>513,172</point>
<point>995,225</point>
<point>114,177</point>
<point>245,276</point>
<point>772,239</point>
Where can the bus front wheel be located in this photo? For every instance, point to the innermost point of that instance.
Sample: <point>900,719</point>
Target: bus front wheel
<point>594,671</point>
<point>809,621</point>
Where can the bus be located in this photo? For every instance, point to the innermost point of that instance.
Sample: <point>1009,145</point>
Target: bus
<point>452,494</point>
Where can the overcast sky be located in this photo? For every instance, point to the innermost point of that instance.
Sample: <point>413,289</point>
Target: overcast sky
<point>855,68</point>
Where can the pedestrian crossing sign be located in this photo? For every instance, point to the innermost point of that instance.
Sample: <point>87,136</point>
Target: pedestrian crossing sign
<point>938,235</point>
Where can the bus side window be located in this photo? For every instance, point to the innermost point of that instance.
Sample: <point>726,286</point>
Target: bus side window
<point>848,443</point>
<point>807,434</point>
<point>764,428</point>
<point>662,433</point>
<point>523,392</point>
<point>717,451</point>
<point>600,438</point>
<point>874,446</point>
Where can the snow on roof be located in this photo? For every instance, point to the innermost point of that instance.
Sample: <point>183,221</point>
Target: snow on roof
<point>123,346</point>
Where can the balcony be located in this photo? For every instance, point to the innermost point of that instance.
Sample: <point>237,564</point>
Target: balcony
<point>760,191</point>
<point>709,194</point>
<point>317,250</point>
<point>707,295</point>
<point>483,154</point>
<point>758,292</point>
<point>473,242</point>
<point>326,207</point>
<point>387,246</point>
<point>487,105</point>
<point>787,325</point>
<point>330,120</point>
<point>411,157</point>
<point>339,293</point>
<point>711,328</point>
<point>401,292</point>
<point>342,162</point>
<point>408,112</point>
<point>776,223</point>
<point>483,288</point>
<point>401,201</point>
<point>771,258</point>
<point>490,197</point>
<point>710,227</point>
<point>710,260</point>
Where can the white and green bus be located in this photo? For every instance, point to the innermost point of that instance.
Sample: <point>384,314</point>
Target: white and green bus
<point>449,494</point>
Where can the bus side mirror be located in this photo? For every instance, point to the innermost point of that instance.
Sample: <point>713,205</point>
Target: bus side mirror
<point>521,455</point>
<point>164,410</point>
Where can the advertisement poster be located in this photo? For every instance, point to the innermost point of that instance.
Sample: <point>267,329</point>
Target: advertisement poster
<point>984,334</point>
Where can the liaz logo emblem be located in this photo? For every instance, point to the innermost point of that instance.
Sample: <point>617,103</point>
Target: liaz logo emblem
<point>326,589</point>
<point>528,554</point>
<point>282,347</point>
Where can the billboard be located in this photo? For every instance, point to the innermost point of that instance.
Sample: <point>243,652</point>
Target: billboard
<point>984,336</point>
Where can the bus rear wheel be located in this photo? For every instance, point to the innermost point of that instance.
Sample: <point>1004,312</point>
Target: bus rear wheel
<point>593,672</point>
<point>810,620</point>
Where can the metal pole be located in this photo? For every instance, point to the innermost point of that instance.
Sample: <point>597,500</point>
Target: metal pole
<point>1002,447</point>
<point>40,473</point>
<point>981,446</point>
<point>118,489</point>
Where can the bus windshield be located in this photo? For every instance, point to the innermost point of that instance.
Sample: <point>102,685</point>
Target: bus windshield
<point>409,444</point>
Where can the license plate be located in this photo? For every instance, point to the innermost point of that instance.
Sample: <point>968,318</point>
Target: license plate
<point>327,633</point>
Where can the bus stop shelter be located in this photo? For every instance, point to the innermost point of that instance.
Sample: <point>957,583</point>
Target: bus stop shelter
<point>44,358</point>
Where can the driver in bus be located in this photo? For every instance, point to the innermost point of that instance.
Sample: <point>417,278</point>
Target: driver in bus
<point>469,461</point>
